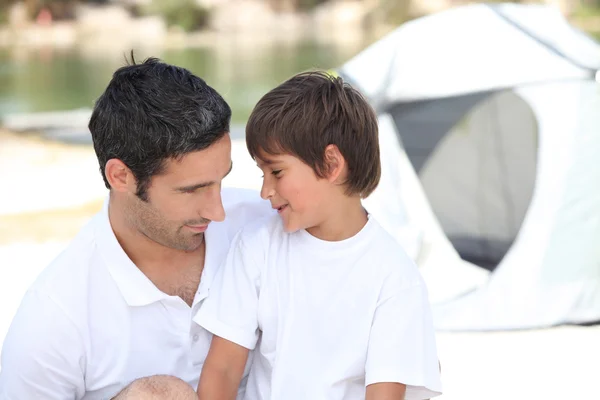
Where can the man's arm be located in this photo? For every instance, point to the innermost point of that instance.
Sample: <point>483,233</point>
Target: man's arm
<point>386,391</point>
<point>223,370</point>
<point>42,354</point>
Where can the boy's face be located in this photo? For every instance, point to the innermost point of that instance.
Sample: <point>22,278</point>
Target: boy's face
<point>294,190</point>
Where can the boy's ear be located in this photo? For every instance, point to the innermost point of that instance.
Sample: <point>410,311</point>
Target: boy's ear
<point>334,163</point>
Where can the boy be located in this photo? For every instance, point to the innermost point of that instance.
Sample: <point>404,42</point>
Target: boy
<point>330,301</point>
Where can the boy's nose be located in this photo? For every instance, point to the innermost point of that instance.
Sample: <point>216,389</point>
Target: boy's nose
<point>266,192</point>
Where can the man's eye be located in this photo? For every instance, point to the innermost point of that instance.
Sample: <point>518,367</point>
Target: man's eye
<point>276,172</point>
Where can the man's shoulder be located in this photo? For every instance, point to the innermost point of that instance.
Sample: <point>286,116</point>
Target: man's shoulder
<point>68,272</point>
<point>243,207</point>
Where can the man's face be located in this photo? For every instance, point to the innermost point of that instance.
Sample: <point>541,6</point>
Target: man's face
<point>184,198</point>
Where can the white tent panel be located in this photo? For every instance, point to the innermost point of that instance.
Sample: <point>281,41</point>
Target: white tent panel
<point>462,50</point>
<point>548,25</point>
<point>551,275</point>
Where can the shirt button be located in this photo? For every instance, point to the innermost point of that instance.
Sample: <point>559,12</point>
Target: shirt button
<point>195,338</point>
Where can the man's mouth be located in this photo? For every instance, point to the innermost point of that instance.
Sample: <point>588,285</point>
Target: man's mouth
<point>198,228</point>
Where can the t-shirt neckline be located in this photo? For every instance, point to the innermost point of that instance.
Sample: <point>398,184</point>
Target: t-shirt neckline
<point>306,239</point>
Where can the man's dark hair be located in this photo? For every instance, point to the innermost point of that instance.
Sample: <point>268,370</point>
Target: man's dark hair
<point>152,112</point>
<point>310,111</point>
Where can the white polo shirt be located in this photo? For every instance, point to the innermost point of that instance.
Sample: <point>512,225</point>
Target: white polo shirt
<point>327,318</point>
<point>93,322</point>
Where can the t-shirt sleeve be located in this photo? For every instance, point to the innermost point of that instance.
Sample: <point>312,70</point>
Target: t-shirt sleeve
<point>42,354</point>
<point>402,345</point>
<point>231,308</point>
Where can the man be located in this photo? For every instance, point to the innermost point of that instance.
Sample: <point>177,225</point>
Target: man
<point>112,315</point>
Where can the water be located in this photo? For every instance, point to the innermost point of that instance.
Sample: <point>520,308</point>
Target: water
<point>55,79</point>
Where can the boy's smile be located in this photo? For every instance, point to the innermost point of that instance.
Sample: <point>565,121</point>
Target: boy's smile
<point>280,208</point>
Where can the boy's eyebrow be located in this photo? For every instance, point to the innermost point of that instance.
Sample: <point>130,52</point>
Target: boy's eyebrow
<point>265,161</point>
<point>200,185</point>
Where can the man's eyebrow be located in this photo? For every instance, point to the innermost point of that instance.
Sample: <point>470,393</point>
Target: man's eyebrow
<point>201,185</point>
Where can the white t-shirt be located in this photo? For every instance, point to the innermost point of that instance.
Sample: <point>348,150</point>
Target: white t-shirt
<point>93,322</point>
<point>327,318</point>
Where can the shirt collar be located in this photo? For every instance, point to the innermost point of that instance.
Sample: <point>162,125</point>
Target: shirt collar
<point>217,246</point>
<point>136,288</point>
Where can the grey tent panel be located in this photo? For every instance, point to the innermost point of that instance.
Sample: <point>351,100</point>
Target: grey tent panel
<point>485,252</point>
<point>423,124</point>
<point>475,156</point>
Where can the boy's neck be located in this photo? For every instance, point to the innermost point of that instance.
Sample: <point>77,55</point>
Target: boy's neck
<point>344,219</point>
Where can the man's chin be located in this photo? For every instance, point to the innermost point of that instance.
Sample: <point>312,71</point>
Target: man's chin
<point>194,243</point>
<point>187,244</point>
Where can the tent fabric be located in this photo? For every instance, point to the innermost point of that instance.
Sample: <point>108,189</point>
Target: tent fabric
<point>479,178</point>
<point>551,275</point>
<point>495,159</point>
<point>470,49</point>
<point>401,206</point>
<point>432,119</point>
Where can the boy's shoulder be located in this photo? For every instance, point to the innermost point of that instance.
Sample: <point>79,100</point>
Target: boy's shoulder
<point>390,255</point>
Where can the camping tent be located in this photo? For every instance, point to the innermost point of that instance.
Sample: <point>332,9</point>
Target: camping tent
<point>490,130</point>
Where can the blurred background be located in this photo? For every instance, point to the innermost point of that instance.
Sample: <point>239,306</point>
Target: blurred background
<point>57,56</point>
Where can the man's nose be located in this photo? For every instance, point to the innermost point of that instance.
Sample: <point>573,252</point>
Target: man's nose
<point>214,209</point>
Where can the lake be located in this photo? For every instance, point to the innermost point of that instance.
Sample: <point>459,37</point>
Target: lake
<point>62,79</point>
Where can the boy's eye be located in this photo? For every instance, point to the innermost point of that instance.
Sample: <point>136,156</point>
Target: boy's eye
<point>274,173</point>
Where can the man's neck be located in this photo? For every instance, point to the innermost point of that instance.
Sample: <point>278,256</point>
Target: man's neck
<point>174,272</point>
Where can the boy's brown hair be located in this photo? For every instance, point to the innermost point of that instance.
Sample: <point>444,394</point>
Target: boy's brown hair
<point>310,111</point>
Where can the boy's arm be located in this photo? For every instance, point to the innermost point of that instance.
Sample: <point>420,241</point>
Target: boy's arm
<point>222,372</point>
<point>386,391</point>
<point>402,346</point>
<point>230,313</point>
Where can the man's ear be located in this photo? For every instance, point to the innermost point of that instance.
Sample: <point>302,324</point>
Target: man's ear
<point>119,176</point>
<point>335,164</point>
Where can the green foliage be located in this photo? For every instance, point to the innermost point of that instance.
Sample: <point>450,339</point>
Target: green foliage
<point>511,1</point>
<point>587,9</point>
<point>4,7</point>
<point>308,4</point>
<point>186,14</point>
